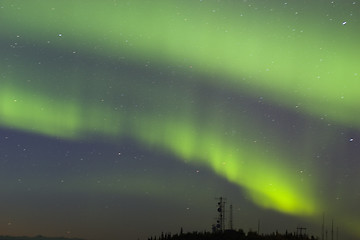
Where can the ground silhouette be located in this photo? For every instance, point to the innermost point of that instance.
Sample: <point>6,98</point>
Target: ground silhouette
<point>232,235</point>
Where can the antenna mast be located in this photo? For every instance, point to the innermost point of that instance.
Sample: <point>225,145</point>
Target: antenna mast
<point>220,225</point>
<point>231,217</point>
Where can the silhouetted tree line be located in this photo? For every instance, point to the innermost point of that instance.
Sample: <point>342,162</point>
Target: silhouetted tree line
<point>39,237</point>
<point>231,235</point>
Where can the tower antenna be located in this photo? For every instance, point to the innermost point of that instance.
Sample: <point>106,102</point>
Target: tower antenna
<point>220,223</point>
<point>231,217</point>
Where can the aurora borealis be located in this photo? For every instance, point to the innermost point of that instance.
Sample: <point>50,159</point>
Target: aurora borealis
<point>122,119</point>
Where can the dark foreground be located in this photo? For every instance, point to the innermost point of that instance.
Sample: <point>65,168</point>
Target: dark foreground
<point>232,235</point>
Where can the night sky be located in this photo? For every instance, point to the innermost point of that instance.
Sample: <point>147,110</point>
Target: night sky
<point>125,119</point>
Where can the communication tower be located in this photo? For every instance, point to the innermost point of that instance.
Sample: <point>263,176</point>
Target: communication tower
<point>231,217</point>
<point>220,222</point>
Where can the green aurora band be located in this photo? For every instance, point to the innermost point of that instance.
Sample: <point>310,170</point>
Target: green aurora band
<point>280,54</point>
<point>286,54</point>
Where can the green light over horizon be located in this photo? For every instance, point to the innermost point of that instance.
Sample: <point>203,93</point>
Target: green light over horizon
<point>281,55</point>
<point>180,134</point>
